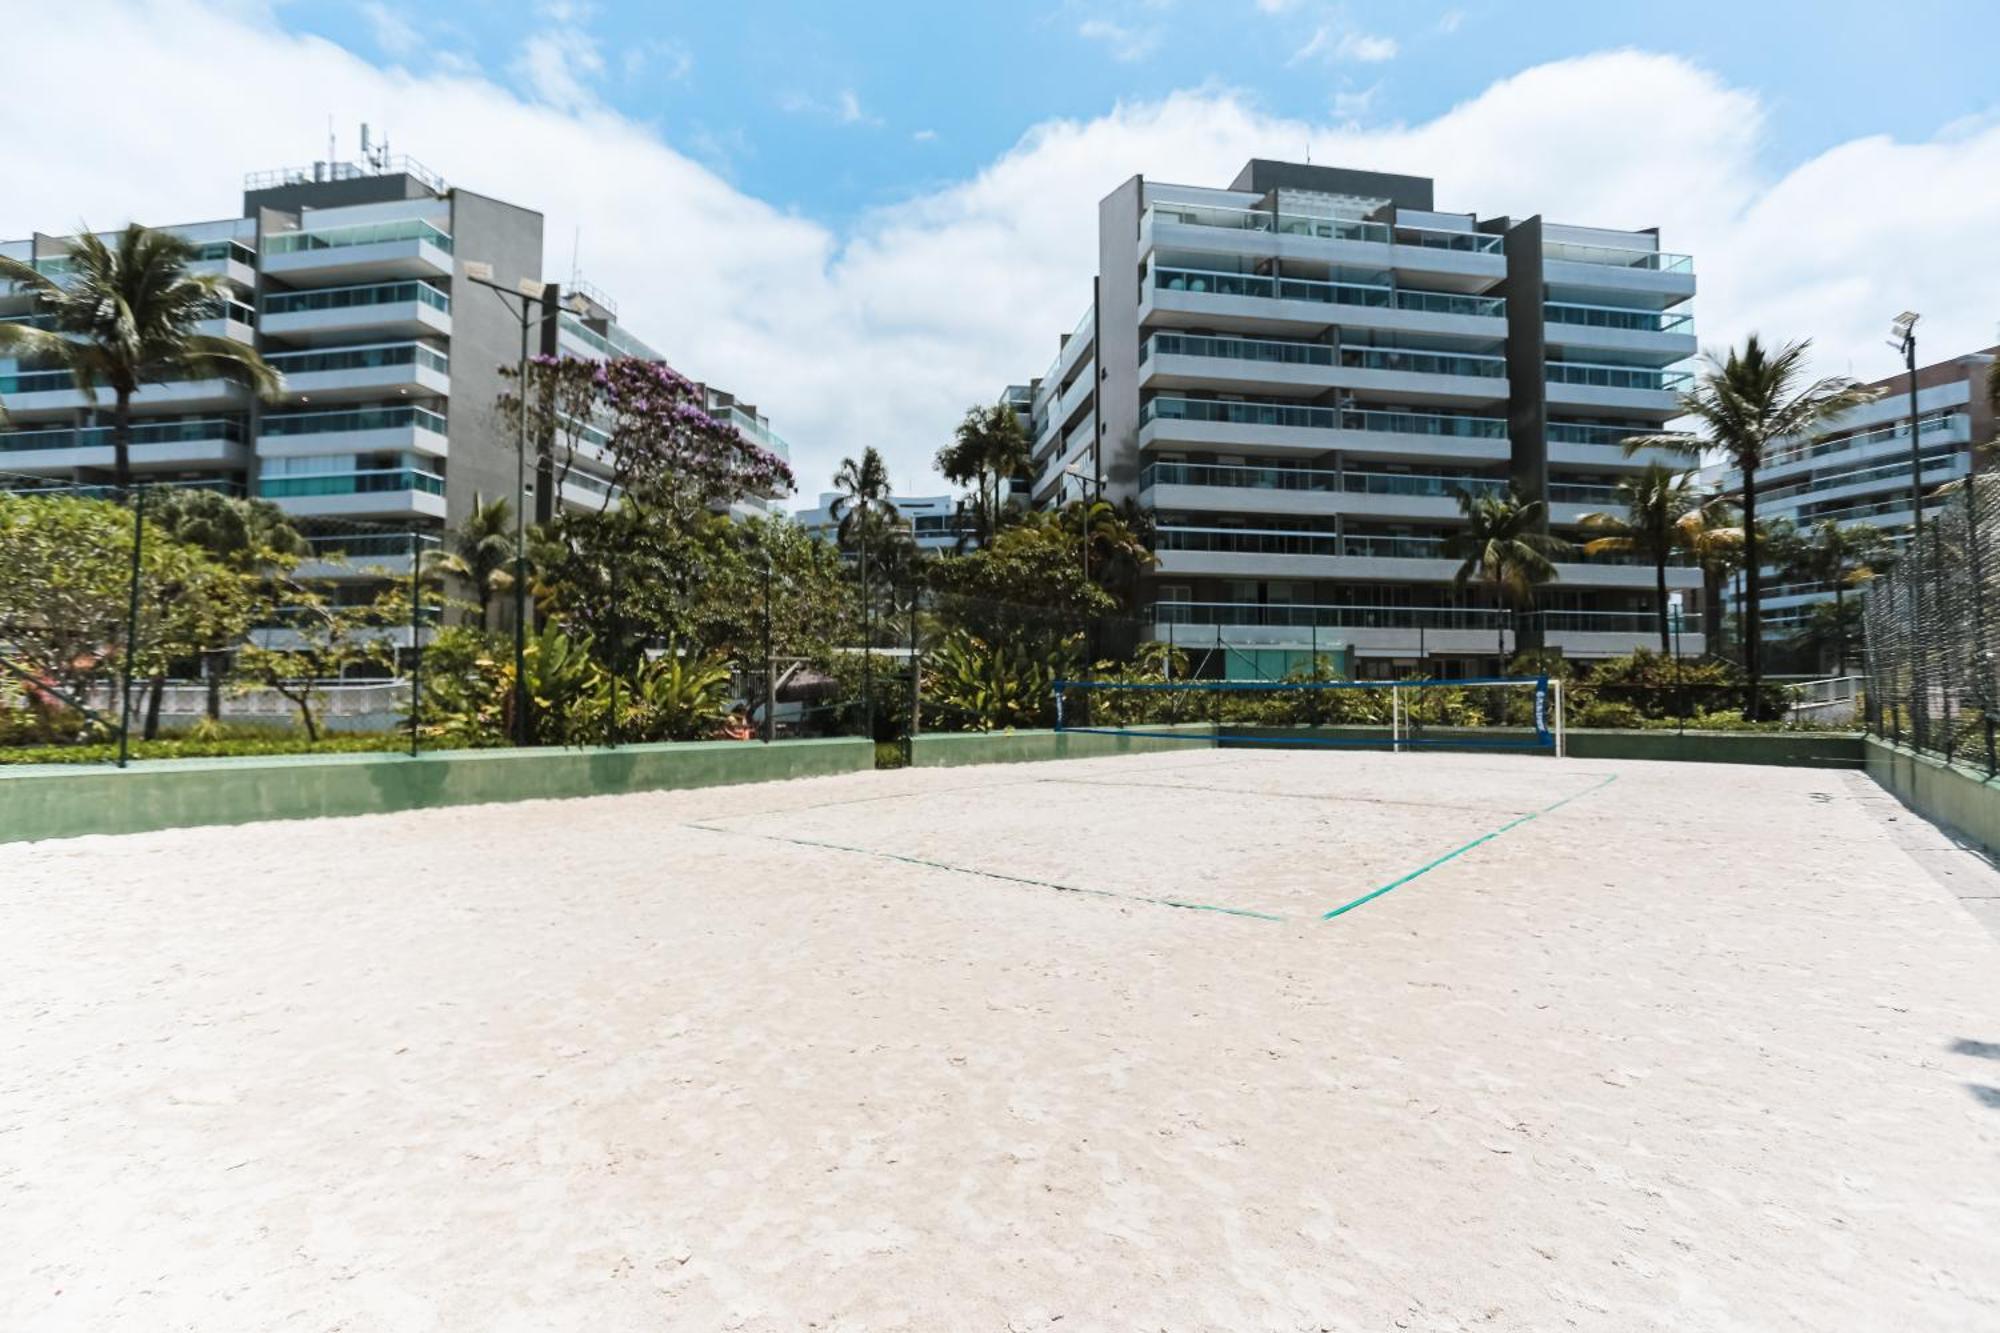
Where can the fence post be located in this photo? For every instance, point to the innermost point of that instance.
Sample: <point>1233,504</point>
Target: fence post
<point>131,631</point>
<point>916,681</point>
<point>416,636</point>
<point>770,662</point>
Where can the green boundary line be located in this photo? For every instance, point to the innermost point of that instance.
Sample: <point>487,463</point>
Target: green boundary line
<point>994,874</point>
<point>1460,851</point>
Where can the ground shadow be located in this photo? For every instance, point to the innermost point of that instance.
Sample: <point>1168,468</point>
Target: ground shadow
<point>1967,1046</point>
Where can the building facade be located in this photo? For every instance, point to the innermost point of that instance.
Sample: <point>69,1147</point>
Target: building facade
<point>1297,375</point>
<point>355,283</point>
<point>935,521</point>
<point>1857,469</point>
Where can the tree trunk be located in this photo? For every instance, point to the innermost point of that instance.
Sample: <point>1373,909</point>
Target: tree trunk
<point>1751,618</point>
<point>1660,586</point>
<point>156,689</point>
<point>213,662</point>
<point>121,442</point>
<point>1711,610</point>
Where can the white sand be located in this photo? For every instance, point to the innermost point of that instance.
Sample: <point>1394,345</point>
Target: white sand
<point>1704,1048</point>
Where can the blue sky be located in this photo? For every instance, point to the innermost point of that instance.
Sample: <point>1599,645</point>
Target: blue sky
<point>867,217</point>
<point>829,109</point>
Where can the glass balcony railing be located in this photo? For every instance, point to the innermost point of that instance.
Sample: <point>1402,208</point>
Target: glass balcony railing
<point>1618,317</point>
<point>372,545</point>
<point>348,298</point>
<point>37,381</point>
<point>1578,432</point>
<point>1321,418</point>
<point>1246,476</point>
<point>1324,228</point>
<point>1898,471</point>
<point>1238,349</point>
<point>1582,493</point>
<point>143,433</point>
<point>1392,546</point>
<point>1334,293</point>
<point>1425,485</point>
<point>1307,615</point>
<point>1599,376</point>
<point>212,251</point>
<point>1612,256</point>
<point>588,336</point>
<point>1927,424</point>
<point>100,491</point>
<point>384,356</point>
<point>1246,541</point>
<point>359,482</point>
<point>1424,363</point>
<point>366,233</point>
<point>360,418</point>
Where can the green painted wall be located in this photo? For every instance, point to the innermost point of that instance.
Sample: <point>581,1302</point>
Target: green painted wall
<point>1795,749</point>
<point>1966,802</point>
<point>956,748</point>
<point>60,801</point>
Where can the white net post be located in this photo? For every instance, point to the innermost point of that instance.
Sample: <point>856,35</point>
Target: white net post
<point>1395,719</point>
<point>1562,735</point>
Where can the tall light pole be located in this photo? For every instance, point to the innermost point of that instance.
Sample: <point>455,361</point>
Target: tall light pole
<point>1903,337</point>
<point>528,292</point>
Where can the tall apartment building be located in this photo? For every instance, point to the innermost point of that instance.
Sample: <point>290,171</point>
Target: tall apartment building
<point>353,283</point>
<point>1857,469</point>
<point>1298,374</point>
<point>934,520</point>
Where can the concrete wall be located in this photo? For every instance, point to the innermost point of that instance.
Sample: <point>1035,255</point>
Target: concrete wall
<point>60,801</point>
<point>1967,803</point>
<point>1796,749</point>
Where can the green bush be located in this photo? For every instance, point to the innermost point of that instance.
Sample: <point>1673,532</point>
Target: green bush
<point>184,747</point>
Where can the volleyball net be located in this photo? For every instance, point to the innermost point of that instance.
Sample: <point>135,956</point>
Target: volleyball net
<point>1492,713</point>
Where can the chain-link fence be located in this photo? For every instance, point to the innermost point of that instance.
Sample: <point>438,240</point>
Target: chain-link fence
<point>1933,623</point>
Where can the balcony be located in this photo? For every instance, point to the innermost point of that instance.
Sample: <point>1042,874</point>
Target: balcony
<point>386,310</point>
<point>232,260</point>
<point>1603,386</point>
<point>402,428</point>
<point>1183,360</point>
<point>1652,275</point>
<point>1278,489</point>
<point>155,446</point>
<point>1663,336</point>
<point>1852,446</point>
<point>102,491</point>
<point>1601,448</point>
<point>1304,305</point>
<point>360,491</point>
<point>32,392</point>
<point>1263,427</point>
<point>1464,259</point>
<point>373,251</point>
<point>374,371</point>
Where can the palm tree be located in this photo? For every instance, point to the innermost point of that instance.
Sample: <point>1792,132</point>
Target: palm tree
<point>484,542</point>
<point>1504,546</point>
<point>1712,533</point>
<point>1837,558</point>
<point>126,317</point>
<point>1654,504</point>
<point>1745,402</point>
<point>987,448</point>
<point>863,500</point>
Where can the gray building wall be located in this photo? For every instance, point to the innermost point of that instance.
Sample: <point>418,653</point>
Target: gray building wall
<point>1118,339</point>
<point>485,335</point>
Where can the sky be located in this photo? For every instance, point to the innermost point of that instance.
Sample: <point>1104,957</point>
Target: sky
<point>867,217</point>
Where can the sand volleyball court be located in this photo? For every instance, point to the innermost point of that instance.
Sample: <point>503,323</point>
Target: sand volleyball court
<point>1068,1046</point>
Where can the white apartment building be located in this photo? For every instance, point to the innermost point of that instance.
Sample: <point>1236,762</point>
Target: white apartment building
<point>353,282</point>
<point>1857,469</point>
<point>1296,376</point>
<point>934,520</point>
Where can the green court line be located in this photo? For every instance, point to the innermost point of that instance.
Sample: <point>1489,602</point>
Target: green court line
<point>1456,852</point>
<point>994,874</point>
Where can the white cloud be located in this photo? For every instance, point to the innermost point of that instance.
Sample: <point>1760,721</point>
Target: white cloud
<point>1350,105</point>
<point>1330,42</point>
<point>924,136</point>
<point>1126,44</point>
<point>882,333</point>
<point>559,65</point>
<point>1449,21</point>
<point>843,109</point>
<point>395,36</point>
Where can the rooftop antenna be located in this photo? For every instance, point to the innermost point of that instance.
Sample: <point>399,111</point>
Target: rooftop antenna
<point>575,249</point>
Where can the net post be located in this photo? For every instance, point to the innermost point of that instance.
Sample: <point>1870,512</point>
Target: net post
<point>1059,703</point>
<point>1562,727</point>
<point>1395,719</point>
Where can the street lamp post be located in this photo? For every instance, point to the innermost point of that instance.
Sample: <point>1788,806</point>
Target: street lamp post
<point>1903,337</point>
<point>528,292</point>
